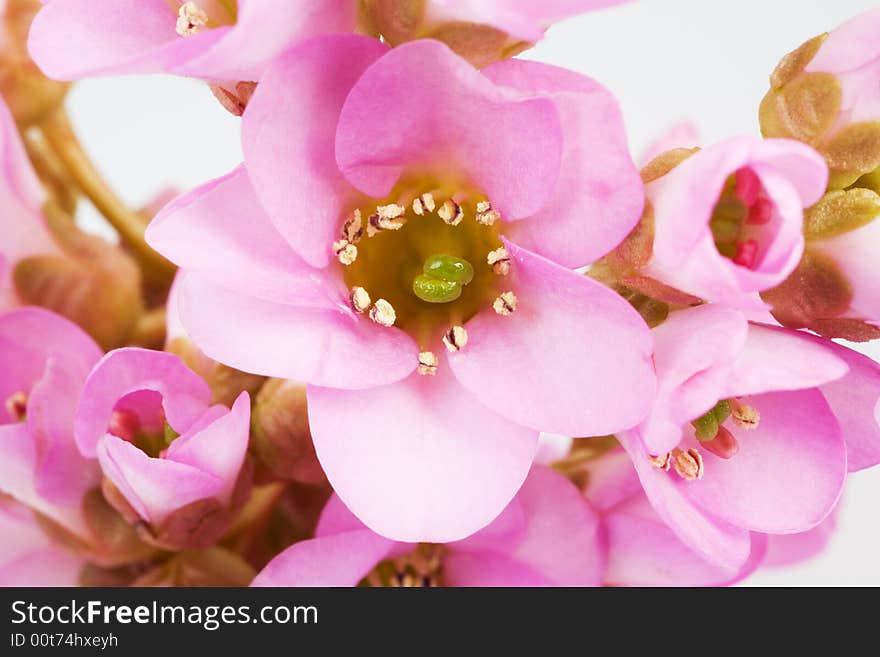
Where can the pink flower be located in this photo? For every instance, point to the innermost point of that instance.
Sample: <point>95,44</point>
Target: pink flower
<point>642,549</point>
<point>146,418</point>
<point>384,159</point>
<point>825,94</point>
<point>744,435</point>
<point>791,549</point>
<point>209,39</point>
<point>522,547</point>
<point>725,223</point>
<point>22,223</point>
<point>28,557</point>
<point>45,360</point>
<point>235,39</point>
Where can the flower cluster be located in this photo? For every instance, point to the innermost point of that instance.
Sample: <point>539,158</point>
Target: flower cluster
<point>437,328</point>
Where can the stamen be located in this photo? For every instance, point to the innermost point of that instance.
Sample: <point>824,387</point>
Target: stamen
<point>360,299</point>
<point>746,417</point>
<point>353,228</point>
<point>688,465</point>
<point>505,304</point>
<point>451,213</point>
<point>383,313</point>
<point>16,406</point>
<point>428,363</point>
<point>746,253</point>
<point>345,251</point>
<point>455,339</point>
<point>723,445</point>
<point>424,204</point>
<point>760,213</point>
<point>387,217</point>
<point>662,462</point>
<point>485,214</point>
<point>499,261</point>
<point>190,19</point>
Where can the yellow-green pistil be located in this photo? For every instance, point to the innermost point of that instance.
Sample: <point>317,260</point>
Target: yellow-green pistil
<point>442,279</point>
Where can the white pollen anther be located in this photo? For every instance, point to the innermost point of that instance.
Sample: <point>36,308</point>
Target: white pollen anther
<point>360,299</point>
<point>387,217</point>
<point>383,313</point>
<point>353,228</point>
<point>499,261</point>
<point>428,363</point>
<point>688,465</point>
<point>485,214</point>
<point>455,339</point>
<point>662,462</point>
<point>451,213</point>
<point>190,19</point>
<point>424,204</point>
<point>746,417</point>
<point>505,304</point>
<point>345,251</point>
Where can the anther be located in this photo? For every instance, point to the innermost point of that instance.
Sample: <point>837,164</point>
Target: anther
<point>424,204</point>
<point>661,462</point>
<point>190,19</point>
<point>360,299</point>
<point>345,251</point>
<point>499,261</point>
<point>383,313</point>
<point>746,417</point>
<point>124,424</point>
<point>485,214</point>
<point>16,406</point>
<point>353,228</point>
<point>455,339</point>
<point>746,254</point>
<point>688,465</point>
<point>387,217</point>
<point>428,363</point>
<point>505,304</point>
<point>451,213</point>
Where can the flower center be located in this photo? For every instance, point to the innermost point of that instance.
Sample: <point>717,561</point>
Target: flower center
<point>426,262</point>
<point>744,219</point>
<point>712,435</point>
<point>193,17</point>
<point>423,567</point>
<point>139,418</point>
<point>16,406</point>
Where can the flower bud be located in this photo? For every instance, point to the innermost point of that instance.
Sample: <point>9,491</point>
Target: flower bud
<point>280,433</point>
<point>30,95</point>
<point>823,94</point>
<point>215,566</point>
<point>833,291</point>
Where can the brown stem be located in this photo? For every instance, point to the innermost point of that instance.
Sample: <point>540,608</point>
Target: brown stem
<point>60,137</point>
<point>149,330</point>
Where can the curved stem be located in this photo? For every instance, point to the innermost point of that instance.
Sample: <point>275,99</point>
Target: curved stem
<point>60,137</point>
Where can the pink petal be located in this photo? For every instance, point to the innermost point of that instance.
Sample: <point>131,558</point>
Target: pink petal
<point>154,487</point>
<point>448,466</point>
<point>71,39</point>
<point>448,117</point>
<point>644,551</point>
<point>524,20</point>
<point>683,134</point>
<point>790,549</point>
<point>693,352</point>
<point>333,347</point>
<point>714,539</point>
<point>220,232</point>
<point>788,473</point>
<point>289,133</point>
<point>336,560</point>
<point>28,557</point>
<point>850,46</point>
<point>553,507</point>
<point>28,338</point>
<point>855,400</point>
<point>781,359</point>
<point>124,371</point>
<point>574,358</point>
<point>218,448</point>
<point>599,196</point>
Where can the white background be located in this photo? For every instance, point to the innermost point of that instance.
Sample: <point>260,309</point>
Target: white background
<point>667,60</point>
